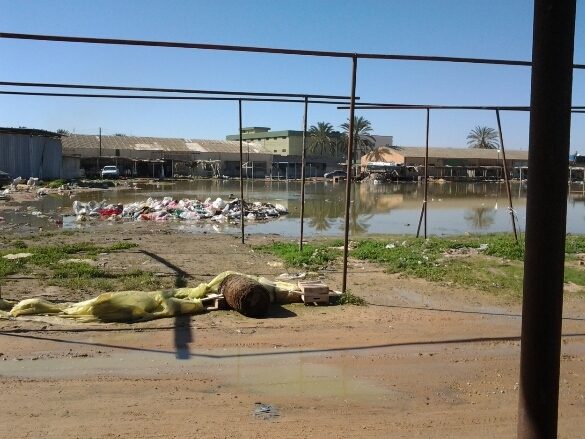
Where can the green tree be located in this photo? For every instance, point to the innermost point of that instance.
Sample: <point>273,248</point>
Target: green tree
<point>321,138</point>
<point>362,136</point>
<point>483,138</point>
<point>339,144</point>
<point>63,132</point>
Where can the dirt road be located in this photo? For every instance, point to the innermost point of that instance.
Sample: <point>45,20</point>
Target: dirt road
<point>422,360</point>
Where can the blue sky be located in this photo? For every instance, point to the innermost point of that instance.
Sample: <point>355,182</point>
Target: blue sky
<point>490,29</point>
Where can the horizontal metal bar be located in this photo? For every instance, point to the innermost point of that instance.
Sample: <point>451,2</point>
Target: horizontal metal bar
<point>575,109</point>
<point>166,90</point>
<point>170,98</point>
<point>366,106</point>
<point>233,48</point>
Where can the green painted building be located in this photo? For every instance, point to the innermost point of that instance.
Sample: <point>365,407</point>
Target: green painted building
<point>284,143</point>
<point>286,148</point>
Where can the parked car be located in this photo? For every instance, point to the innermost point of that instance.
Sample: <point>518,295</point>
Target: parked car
<point>336,173</point>
<point>110,171</point>
<point>5,179</point>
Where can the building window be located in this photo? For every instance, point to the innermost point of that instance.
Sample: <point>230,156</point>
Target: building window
<point>284,150</point>
<point>275,150</point>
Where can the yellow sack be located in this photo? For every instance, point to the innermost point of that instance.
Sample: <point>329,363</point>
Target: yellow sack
<point>132,306</point>
<point>35,306</point>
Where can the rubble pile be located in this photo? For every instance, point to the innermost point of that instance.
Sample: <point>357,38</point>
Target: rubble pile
<point>170,209</point>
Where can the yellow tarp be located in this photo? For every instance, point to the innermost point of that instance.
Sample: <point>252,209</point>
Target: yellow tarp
<point>133,306</point>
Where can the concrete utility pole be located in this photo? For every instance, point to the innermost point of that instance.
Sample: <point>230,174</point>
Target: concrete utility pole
<point>546,217</point>
<point>100,153</point>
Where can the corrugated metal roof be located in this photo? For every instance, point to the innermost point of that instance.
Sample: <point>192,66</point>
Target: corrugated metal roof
<point>28,132</point>
<point>76,142</point>
<point>456,153</point>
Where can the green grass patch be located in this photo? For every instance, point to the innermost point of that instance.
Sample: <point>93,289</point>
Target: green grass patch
<point>503,247</point>
<point>463,261</point>
<point>54,184</point>
<point>8,267</point>
<point>575,244</point>
<point>51,264</point>
<point>86,277</point>
<point>414,257</point>
<point>79,269</point>
<point>575,276</point>
<point>121,245</point>
<point>49,256</point>
<point>491,263</point>
<point>312,257</point>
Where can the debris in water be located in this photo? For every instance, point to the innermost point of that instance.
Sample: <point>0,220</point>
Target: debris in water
<point>170,209</point>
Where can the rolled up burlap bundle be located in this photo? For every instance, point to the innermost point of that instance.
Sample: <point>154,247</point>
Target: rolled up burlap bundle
<point>245,295</point>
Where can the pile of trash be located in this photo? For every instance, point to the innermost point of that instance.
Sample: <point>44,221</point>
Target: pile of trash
<point>170,209</point>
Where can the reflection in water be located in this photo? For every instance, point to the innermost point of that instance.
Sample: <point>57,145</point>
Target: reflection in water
<point>453,208</point>
<point>357,222</point>
<point>319,221</point>
<point>480,217</point>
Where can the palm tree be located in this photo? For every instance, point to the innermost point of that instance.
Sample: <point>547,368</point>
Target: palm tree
<point>483,138</point>
<point>321,137</point>
<point>362,132</point>
<point>362,135</point>
<point>339,144</point>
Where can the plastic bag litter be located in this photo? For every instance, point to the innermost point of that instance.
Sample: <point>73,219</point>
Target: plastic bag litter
<point>219,204</point>
<point>135,306</point>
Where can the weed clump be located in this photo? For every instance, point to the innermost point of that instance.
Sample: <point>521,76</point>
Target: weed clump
<point>312,257</point>
<point>348,298</point>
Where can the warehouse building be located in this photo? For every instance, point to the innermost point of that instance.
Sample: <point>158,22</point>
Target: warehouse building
<point>26,153</point>
<point>451,163</point>
<point>158,157</point>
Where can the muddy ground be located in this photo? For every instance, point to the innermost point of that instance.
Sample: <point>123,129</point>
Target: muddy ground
<point>421,360</point>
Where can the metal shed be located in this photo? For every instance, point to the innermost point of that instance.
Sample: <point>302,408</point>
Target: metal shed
<point>28,153</point>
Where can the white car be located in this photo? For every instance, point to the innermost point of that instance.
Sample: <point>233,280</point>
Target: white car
<point>110,172</point>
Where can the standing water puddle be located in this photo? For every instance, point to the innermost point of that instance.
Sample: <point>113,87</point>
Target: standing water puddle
<point>392,208</point>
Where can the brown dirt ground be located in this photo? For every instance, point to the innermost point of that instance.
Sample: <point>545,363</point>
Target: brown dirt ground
<point>422,360</point>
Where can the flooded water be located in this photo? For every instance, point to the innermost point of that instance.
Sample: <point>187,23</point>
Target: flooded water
<point>389,208</point>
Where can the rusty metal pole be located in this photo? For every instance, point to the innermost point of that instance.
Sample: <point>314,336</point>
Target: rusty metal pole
<point>423,212</point>
<point>348,168</point>
<point>510,206</point>
<point>303,172</point>
<point>427,170</point>
<point>546,216</point>
<point>241,173</point>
